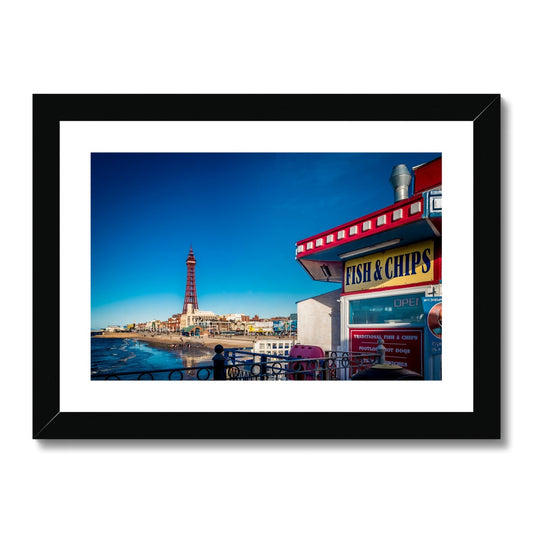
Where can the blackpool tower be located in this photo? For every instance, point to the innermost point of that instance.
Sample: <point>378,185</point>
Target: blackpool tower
<point>190,290</point>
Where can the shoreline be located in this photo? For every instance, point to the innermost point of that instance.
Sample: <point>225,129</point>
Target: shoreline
<point>199,342</point>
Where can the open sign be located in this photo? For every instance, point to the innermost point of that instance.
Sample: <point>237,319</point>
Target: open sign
<point>407,302</point>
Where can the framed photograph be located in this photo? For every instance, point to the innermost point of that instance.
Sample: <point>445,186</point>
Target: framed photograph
<point>287,258</point>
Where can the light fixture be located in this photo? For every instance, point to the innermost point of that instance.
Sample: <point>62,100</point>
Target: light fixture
<point>326,271</point>
<point>362,251</point>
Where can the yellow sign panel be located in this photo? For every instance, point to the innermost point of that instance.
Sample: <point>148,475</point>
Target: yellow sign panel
<point>392,268</point>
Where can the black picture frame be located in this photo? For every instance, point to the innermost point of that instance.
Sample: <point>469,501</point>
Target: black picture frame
<point>483,110</point>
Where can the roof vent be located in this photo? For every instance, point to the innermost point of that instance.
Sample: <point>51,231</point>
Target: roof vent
<point>400,180</point>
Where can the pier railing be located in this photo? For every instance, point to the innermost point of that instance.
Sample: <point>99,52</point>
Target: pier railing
<point>238,365</point>
<point>199,373</point>
<point>336,365</point>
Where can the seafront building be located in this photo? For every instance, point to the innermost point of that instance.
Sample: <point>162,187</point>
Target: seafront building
<point>174,323</point>
<point>200,323</point>
<point>195,317</point>
<point>235,317</point>
<point>260,326</point>
<point>115,329</point>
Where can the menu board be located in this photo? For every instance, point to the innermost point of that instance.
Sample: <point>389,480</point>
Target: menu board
<point>403,347</point>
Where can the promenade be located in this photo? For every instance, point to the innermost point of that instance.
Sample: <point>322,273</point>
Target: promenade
<point>228,341</point>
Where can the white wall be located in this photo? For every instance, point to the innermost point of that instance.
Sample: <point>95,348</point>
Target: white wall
<point>319,320</point>
<point>235,47</point>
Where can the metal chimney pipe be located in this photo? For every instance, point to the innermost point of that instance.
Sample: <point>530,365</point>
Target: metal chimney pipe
<point>400,180</point>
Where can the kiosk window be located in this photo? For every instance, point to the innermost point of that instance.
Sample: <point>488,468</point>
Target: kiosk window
<point>388,310</point>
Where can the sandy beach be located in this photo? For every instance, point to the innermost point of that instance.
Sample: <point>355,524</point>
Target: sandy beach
<point>206,342</point>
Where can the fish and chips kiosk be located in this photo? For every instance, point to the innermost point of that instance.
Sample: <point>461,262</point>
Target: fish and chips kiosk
<point>389,263</point>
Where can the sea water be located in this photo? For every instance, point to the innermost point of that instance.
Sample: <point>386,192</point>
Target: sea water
<point>116,355</point>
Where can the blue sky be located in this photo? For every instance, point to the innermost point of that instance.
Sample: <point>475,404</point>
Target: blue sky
<point>241,212</point>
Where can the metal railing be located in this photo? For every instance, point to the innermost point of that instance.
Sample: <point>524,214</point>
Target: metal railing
<point>199,373</point>
<point>335,366</point>
<point>239,365</point>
